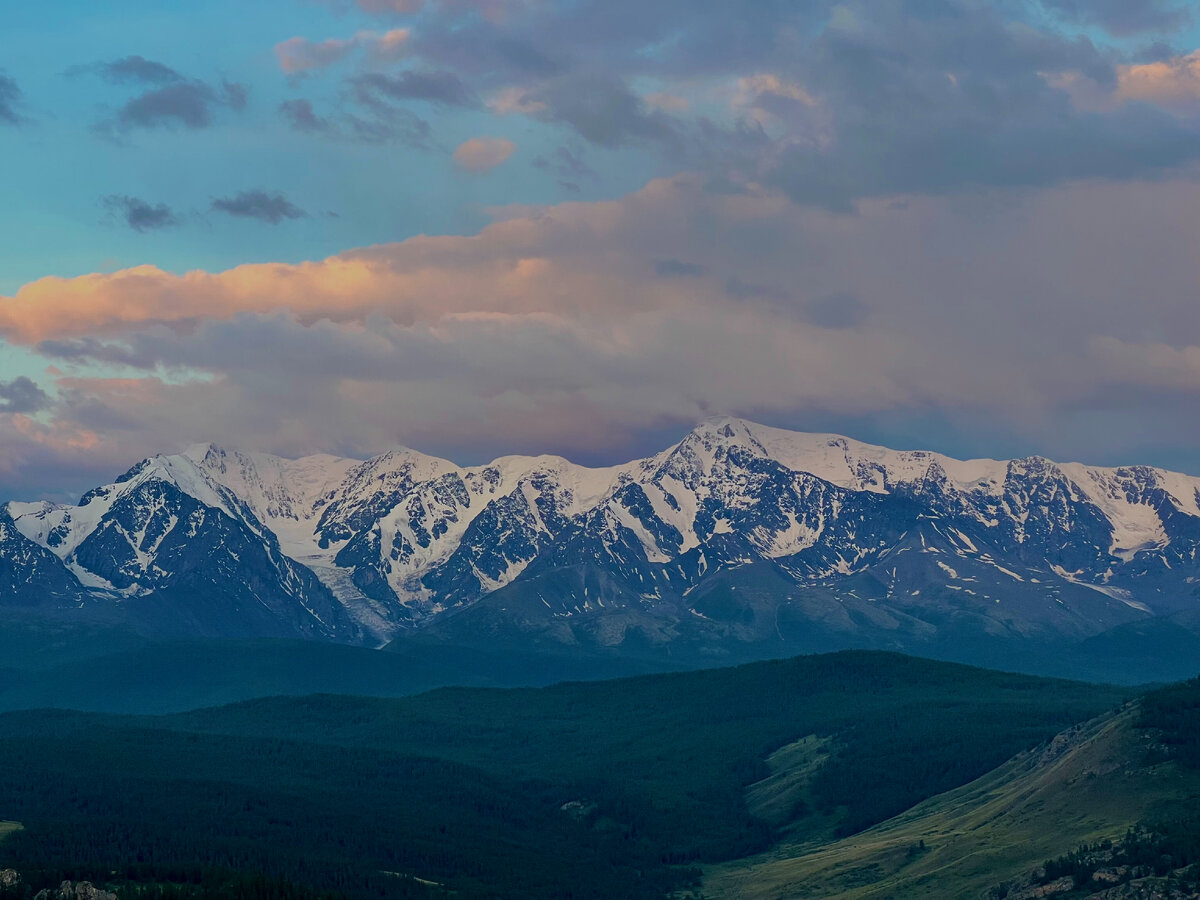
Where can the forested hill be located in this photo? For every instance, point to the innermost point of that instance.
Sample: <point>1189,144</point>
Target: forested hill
<point>605,789</point>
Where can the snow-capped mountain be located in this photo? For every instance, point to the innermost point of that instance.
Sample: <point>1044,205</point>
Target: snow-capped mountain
<point>738,533</point>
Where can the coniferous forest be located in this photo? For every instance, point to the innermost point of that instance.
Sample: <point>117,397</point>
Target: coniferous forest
<point>611,789</point>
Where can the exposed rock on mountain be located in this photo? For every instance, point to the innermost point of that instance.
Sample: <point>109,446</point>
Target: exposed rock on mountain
<point>738,535</point>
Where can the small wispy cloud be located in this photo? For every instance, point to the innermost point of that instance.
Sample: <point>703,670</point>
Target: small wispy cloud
<point>10,101</point>
<point>441,88</point>
<point>131,70</point>
<point>264,206</point>
<point>169,99</point>
<point>138,214</point>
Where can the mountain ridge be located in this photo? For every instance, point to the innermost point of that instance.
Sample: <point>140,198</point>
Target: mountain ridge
<point>855,539</point>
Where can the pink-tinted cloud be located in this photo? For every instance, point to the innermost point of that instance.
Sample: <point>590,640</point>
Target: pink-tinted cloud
<point>298,55</point>
<point>482,154</point>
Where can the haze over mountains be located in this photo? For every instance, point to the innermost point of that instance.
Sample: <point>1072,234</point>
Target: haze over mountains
<point>739,541</point>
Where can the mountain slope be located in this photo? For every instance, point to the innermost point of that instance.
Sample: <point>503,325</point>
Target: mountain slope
<point>740,539</point>
<point>167,547</point>
<point>1091,783</point>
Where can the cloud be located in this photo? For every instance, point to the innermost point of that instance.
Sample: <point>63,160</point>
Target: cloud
<point>831,101</point>
<point>10,101</point>
<point>298,55</point>
<point>1156,364</point>
<point>515,100</point>
<point>673,268</point>
<point>21,395</point>
<point>299,113</point>
<point>1123,18</point>
<point>511,267</point>
<point>838,310</point>
<point>482,154</point>
<point>565,162</point>
<point>369,114</point>
<point>390,7</point>
<point>603,111</point>
<point>489,9</point>
<point>439,88</point>
<point>169,100</point>
<point>132,70</point>
<point>388,124</point>
<point>188,104</point>
<point>959,323</point>
<point>138,214</point>
<point>738,289</point>
<point>265,206</point>
<point>575,328</point>
<point>1173,83</point>
<point>958,107</point>
<point>667,102</point>
<point>383,122</point>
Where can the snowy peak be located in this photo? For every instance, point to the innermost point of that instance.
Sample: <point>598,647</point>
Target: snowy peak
<point>843,461</point>
<point>1134,500</point>
<point>343,546</point>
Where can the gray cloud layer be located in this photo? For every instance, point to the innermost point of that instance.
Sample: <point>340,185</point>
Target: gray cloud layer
<point>22,395</point>
<point>1122,17</point>
<point>841,100</point>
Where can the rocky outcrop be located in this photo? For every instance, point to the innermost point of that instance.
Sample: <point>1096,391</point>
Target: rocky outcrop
<point>78,890</point>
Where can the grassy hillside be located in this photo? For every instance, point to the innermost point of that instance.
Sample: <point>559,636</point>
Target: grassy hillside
<point>1092,784</point>
<point>610,789</point>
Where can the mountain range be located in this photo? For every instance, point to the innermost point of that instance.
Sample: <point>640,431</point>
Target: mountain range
<point>739,541</point>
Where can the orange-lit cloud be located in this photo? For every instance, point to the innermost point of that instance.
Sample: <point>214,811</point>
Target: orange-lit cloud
<point>576,327</point>
<point>512,266</point>
<point>1173,83</point>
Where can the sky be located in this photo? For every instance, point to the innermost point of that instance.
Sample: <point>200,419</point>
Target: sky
<point>482,227</point>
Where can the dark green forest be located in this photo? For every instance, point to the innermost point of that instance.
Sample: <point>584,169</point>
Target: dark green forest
<point>585,790</point>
